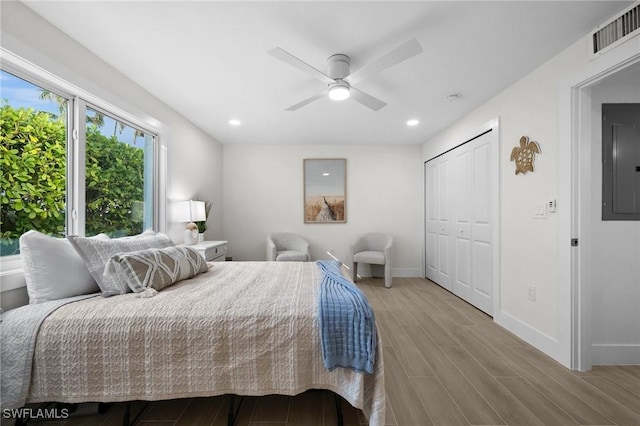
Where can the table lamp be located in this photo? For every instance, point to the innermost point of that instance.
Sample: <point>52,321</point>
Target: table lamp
<point>190,211</point>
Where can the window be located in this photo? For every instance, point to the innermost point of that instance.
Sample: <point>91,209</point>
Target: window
<point>103,180</point>
<point>119,182</point>
<point>33,132</point>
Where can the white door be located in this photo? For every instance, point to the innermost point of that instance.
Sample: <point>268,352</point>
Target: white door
<point>483,195</point>
<point>437,239</point>
<point>431,213</point>
<point>461,195</point>
<point>443,273</point>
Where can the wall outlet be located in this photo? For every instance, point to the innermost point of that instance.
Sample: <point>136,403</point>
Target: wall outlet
<point>531,293</point>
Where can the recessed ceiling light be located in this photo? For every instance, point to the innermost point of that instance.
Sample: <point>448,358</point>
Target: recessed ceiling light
<point>413,122</point>
<point>325,174</point>
<point>452,97</point>
<point>235,122</point>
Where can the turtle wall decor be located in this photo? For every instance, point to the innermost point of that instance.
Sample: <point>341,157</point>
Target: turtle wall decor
<point>524,155</point>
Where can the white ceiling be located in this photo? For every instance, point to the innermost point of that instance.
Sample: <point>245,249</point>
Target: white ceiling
<point>208,60</point>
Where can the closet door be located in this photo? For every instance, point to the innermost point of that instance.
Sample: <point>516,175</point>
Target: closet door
<point>443,275</point>
<point>460,195</point>
<point>431,216</point>
<point>484,196</point>
<point>437,211</point>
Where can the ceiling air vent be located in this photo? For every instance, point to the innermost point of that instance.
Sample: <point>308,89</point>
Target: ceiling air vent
<point>615,31</point>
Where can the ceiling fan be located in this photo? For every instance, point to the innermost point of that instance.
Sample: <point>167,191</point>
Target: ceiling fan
<point>340,80</point>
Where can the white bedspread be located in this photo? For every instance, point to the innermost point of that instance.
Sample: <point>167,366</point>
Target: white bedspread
<point>247,328</point>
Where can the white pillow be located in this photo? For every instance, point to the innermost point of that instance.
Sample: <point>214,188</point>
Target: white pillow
<point>96,255</point>
<point>53,269</point>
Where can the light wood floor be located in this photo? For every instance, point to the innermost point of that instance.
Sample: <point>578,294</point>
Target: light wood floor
<point>446,363</point>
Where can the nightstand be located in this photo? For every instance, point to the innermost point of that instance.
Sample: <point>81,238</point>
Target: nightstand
<point>212,251</point>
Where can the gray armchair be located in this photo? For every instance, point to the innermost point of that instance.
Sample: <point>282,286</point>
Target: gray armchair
<point>284,246</point>
<point>373,248</point>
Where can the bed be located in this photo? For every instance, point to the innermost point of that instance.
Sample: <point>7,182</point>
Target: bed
<point>241,328</point>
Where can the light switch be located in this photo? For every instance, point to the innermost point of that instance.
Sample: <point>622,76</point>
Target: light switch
<point>540,211</point>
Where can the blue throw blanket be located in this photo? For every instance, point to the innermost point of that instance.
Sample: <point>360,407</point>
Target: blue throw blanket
<point>347,323</point>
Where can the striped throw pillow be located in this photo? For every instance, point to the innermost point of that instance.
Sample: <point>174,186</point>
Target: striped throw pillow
<point>156,268</point>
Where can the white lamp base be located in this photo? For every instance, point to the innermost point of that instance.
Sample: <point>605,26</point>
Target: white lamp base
<point>190,236</point>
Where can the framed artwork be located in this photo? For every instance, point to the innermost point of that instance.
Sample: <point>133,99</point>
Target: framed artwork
<point>325,190</point>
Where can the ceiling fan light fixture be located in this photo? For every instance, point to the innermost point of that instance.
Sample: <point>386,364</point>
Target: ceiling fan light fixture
<point>339,77</point>
<point>339,91</point>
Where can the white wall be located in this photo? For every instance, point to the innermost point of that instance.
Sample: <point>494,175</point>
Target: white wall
<point>194,159</point>
<point>614,266</point>
<point>263,192</point>
<point>528,246</point>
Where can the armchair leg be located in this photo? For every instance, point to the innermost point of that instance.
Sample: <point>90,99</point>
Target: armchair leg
<point>388,280</point>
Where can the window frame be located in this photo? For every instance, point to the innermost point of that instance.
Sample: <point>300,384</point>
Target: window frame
<point>78,99</point>
<point>78,202</point>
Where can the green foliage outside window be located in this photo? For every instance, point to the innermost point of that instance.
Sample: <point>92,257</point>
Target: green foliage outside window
<point>33,165</point>
<point>114,186</point>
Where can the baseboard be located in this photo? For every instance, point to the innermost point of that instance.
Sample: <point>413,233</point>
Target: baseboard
<point>612,354</point>
<point>531,335</point>
<point>405,272</point>
<point>365,271</point>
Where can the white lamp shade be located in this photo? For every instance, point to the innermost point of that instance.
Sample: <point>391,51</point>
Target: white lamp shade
<point>190,211</point>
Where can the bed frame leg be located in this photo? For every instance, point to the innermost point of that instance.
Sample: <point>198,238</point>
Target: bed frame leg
<point>232,412</point>
<point>126,419</point>
<point>127,414</point>
<point>339,409</point>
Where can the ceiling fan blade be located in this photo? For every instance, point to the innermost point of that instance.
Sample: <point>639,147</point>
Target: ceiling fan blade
<point>287,57</point>
<point>367,100</point>
<point>306,101</point>
<point>401,53</point>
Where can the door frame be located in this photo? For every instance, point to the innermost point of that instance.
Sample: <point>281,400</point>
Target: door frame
<point>574,286</point>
